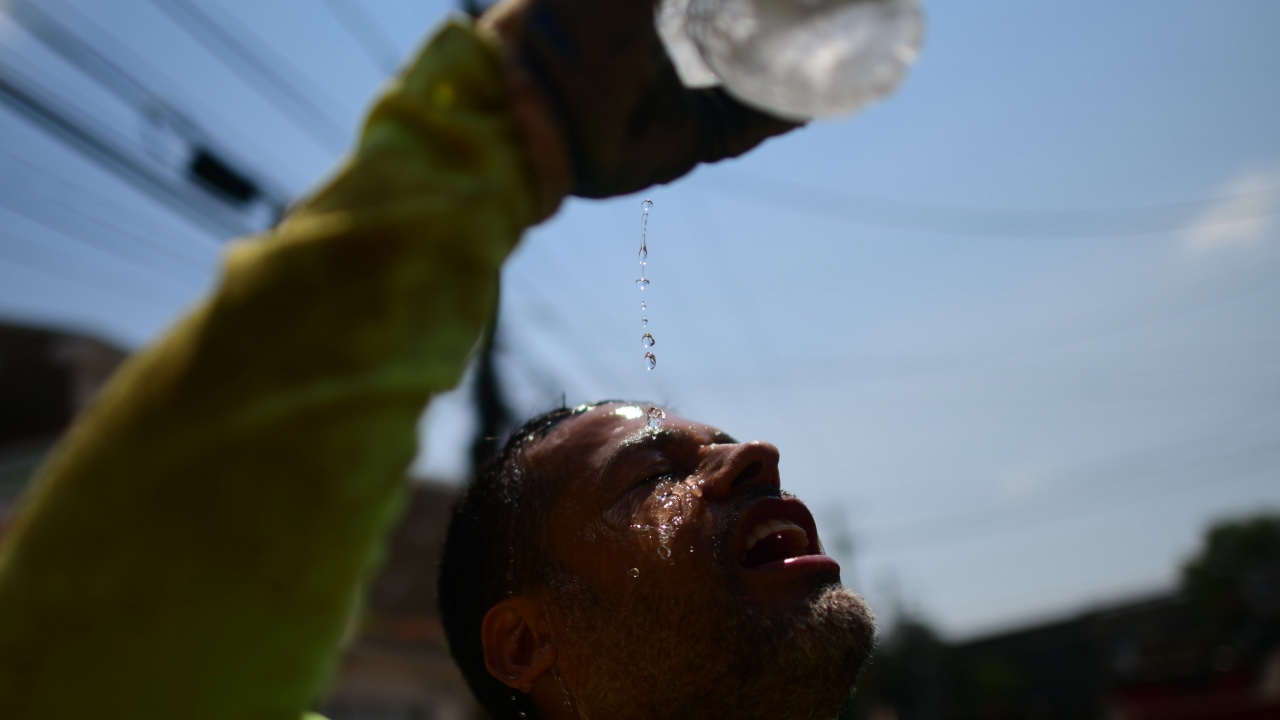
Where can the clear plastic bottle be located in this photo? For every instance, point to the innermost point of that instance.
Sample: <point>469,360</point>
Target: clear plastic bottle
<point>798,59</point>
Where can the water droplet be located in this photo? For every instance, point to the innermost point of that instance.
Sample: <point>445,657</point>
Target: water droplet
<point>656,416</point>
<point>634,572</point>
<point>646,340</point>
<point>664,552</point>
<point>522,714</point>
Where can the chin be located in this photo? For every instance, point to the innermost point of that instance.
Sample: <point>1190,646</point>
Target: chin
<point>814,659</point>
<point>838,623</point>
<point>795,664</point>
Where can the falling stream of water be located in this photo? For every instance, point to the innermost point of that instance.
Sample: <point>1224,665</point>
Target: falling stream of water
<point>655,415</point>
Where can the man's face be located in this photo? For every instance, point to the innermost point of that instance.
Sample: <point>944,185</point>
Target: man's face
<point>689,584</point>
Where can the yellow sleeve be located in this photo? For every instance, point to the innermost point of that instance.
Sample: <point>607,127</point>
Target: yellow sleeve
<point>193,548</point>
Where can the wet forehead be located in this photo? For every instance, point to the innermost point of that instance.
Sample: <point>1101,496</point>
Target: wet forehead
<point>584,442</point>
<point>584,445</point>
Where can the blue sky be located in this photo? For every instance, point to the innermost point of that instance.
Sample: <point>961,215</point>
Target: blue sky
<point>1013,329</point>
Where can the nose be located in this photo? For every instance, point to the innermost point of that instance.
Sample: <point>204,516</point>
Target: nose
<point>734,468</point>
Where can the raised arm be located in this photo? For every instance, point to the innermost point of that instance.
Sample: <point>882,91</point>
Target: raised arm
<point>194,547</point>
<point>196,543</point>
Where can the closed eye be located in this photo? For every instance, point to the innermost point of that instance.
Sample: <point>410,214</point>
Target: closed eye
<point>656,477</point>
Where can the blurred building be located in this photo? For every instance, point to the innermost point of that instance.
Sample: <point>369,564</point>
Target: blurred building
<point>398,667</point>
<point>46,377</point>
<point>1158,658</point>
<point>1161,658</point>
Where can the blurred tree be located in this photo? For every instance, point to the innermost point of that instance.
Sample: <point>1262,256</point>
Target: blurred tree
<point>1237,574</point>
<point>906,680</point>
<point>1235,581</point>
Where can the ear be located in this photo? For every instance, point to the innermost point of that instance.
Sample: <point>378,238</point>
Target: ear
<point>517,643</point>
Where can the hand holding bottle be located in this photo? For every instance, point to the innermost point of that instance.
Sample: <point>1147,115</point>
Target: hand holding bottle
<point>626,118</point>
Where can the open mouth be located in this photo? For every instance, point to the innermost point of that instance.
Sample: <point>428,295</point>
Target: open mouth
<point>775,530</point>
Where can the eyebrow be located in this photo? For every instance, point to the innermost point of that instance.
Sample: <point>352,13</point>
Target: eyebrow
<point>653,440</point>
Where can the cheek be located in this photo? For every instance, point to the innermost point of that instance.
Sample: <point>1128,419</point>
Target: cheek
<point>670,520</point>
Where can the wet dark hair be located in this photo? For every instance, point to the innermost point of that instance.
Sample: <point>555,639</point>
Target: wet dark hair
<point>497,546</point>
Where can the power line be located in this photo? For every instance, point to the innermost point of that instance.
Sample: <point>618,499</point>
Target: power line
<point>63,217</point>
<point>133,260</point>
<point>112,290</point>
<point>62,123</point>
<point>368,34</point>
<point>1078,498</point>
<point>957,528</point>
<point>1153,308</point>
<point>256,67</point>
<point>110,75</point>
<point>809,199</point>
<point>186,261</point>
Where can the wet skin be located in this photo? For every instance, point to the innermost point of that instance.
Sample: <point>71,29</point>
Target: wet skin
<point>623,481</point>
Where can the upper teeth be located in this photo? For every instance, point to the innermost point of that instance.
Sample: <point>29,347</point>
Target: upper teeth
<point>773,527</point>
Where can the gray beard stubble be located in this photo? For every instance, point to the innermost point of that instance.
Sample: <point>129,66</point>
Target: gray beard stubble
<point>699,657</point>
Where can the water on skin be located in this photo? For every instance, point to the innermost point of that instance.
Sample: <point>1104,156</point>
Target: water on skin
<point>674,502</point>
<point>568,697</point>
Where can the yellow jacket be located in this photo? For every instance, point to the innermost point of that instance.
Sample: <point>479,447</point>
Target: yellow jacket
<point>194,547</point>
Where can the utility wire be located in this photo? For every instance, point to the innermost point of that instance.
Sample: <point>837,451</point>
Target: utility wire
<point>1154,308</point>
<point>57,37</point>
<point>368,34</point>
<point>10,240</point>
<point>187,200</point>
<point>809,199</point>
<point>134,261</point>
<point>110,75</point>
<point>257,68</point>
<point>185,261</point>
<point>63,218</point>
<point>1082,497</point>
<point>957,529</point>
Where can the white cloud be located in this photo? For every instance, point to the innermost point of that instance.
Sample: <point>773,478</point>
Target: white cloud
<point>1243,217</point>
